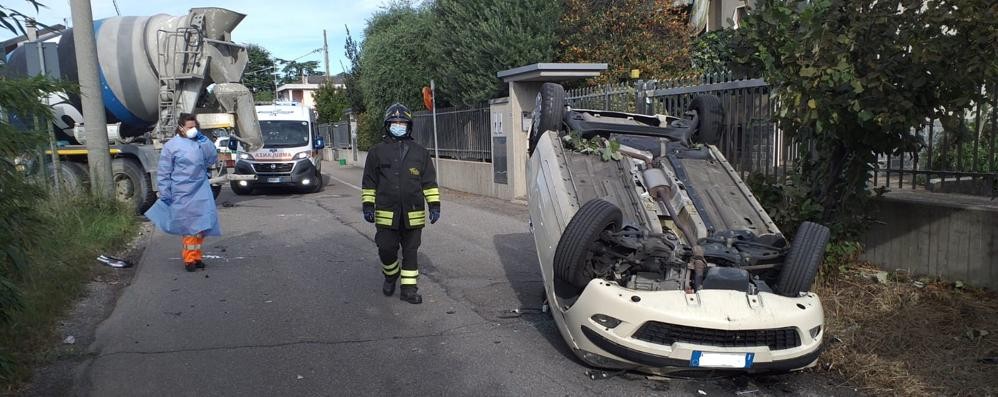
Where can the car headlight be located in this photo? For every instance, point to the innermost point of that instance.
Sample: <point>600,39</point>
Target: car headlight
<point>302,155</point>
<point>245,156</point>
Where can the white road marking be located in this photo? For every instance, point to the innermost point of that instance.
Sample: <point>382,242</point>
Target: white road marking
<point>345,182</point>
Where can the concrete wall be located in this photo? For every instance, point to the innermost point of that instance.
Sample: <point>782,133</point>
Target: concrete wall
<point>471,177</point>
<point>465,176</point>
<point>947,235</point>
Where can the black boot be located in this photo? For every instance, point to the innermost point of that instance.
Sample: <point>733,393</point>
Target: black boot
<point>199,264</point>
<point>388,288</point>
<point>409,295</point>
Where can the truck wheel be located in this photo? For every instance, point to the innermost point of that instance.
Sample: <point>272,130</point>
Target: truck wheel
<point>132,184</point>
<point>573,256</point>
<point>549,112</point>
<point>240,190</point>
<point>711,124</point>
<point>806,255</point>
<point>73,177</point>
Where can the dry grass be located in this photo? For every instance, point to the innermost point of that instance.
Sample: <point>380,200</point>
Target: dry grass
<point>909,337</point>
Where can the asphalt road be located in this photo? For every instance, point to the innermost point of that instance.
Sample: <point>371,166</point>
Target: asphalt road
<point>290,304</point>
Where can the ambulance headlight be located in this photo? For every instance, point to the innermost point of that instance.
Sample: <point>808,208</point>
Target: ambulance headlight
<point>302,155</point>
<point>245,156</point>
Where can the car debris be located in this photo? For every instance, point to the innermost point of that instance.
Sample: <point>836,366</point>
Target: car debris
<point>654,252</point>
<point>114,262</point>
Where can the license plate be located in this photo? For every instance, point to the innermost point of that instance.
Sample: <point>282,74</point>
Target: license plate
<point>721,360</point>
<point>274,180</point>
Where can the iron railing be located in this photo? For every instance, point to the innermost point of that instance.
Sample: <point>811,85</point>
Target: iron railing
<point>336,135</point>
<point>958,158</point>
<point>461,134</point>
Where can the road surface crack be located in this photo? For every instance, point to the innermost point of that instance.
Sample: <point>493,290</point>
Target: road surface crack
<point>446,332</point>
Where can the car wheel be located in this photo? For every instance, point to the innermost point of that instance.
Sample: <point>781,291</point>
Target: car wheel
<point>549,112</point>
<point>573,256</point>
<point>806,255</point>
<point>132,184</point>
<point>711,120</point>
<point>240,190</point>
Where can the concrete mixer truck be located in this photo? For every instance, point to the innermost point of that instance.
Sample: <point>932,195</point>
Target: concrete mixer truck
<point>152,70</point>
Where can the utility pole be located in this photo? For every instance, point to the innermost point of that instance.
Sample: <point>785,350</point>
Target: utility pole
<point>325,49</point>
<point>32,33</point>
<point>95,123</point>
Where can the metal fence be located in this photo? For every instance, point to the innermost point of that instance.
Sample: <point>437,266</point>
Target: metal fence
<point>337,135</point>
<point>618,98</point>
<point>956,158</point>
<point>461,134</point>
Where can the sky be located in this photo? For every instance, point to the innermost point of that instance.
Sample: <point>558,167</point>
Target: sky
<point>288,29</point>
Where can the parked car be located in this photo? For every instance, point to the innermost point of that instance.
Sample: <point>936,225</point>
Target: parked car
<point>655,255</point>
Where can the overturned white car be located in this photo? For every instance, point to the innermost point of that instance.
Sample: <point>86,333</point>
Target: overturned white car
<point>660,259</point>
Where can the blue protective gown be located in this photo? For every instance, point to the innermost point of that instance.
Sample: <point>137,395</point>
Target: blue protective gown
<point>186,205</point>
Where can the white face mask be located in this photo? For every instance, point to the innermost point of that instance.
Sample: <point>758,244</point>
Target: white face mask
<point>397,130</point>
<point>191,133</point>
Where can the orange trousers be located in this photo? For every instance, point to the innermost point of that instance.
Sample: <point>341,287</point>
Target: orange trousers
<point>192,248</point>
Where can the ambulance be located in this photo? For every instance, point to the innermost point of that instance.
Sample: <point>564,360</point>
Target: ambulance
<point>291,156</point>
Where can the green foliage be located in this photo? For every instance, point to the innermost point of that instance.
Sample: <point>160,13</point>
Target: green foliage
<point>475,39</point>
<point>855,76</point>
<point>330,102</point>
<point>74,231</point>
<point>259,76</point>
<point>712,52</point>
<point>352,78</point>
<point>370,126</point>
<point>652,36</point>
<point>293,71</point>
<point>606,149</point>
<point>13,20</point>
<point>394,63</point>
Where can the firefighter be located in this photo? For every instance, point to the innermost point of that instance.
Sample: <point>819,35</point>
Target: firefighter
<point>398,177</point>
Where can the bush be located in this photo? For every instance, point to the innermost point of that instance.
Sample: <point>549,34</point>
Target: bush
<point>55,270</point>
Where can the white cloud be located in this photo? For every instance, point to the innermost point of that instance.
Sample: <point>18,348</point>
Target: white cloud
<point>288,29</point>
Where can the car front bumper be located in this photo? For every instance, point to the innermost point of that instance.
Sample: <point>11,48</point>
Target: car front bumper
<point>709,321</point>
<point>301,171</point>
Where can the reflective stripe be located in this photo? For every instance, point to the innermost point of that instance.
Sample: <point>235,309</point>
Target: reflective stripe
<point>367,195</point>
<point>384,217</point>
<point>192,247</point>
<point>410,273</point>
<point>392,269</point>
<point>432,195</point>
<point>407,281</point>
<point>417,218</point>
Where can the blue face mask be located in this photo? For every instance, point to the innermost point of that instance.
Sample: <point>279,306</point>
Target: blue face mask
<point>397,130</point>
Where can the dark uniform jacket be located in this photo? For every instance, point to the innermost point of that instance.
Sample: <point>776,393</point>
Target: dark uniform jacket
<point>398,177</point>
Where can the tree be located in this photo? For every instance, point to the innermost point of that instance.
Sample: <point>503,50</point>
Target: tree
<point>475,39</point>
<point>293,70</point>
<point>13,20</point>
<point>650,35</point>
<point>395,63</point>
<point>259,76</point>
<point>352,78</point>
<point>330,102</point>
<point>854,77</point>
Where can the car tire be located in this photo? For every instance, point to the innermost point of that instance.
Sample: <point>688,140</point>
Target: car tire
<point>319,182</point>
<point>572,256</point>
<point>239,190</point>
<point>549,112</point>
<point>804,259</point>
<point>710,127</point>
<point>132,184</point>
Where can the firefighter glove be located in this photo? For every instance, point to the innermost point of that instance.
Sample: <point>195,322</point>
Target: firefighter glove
<point>369,215</point>
<point>434,215</point>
